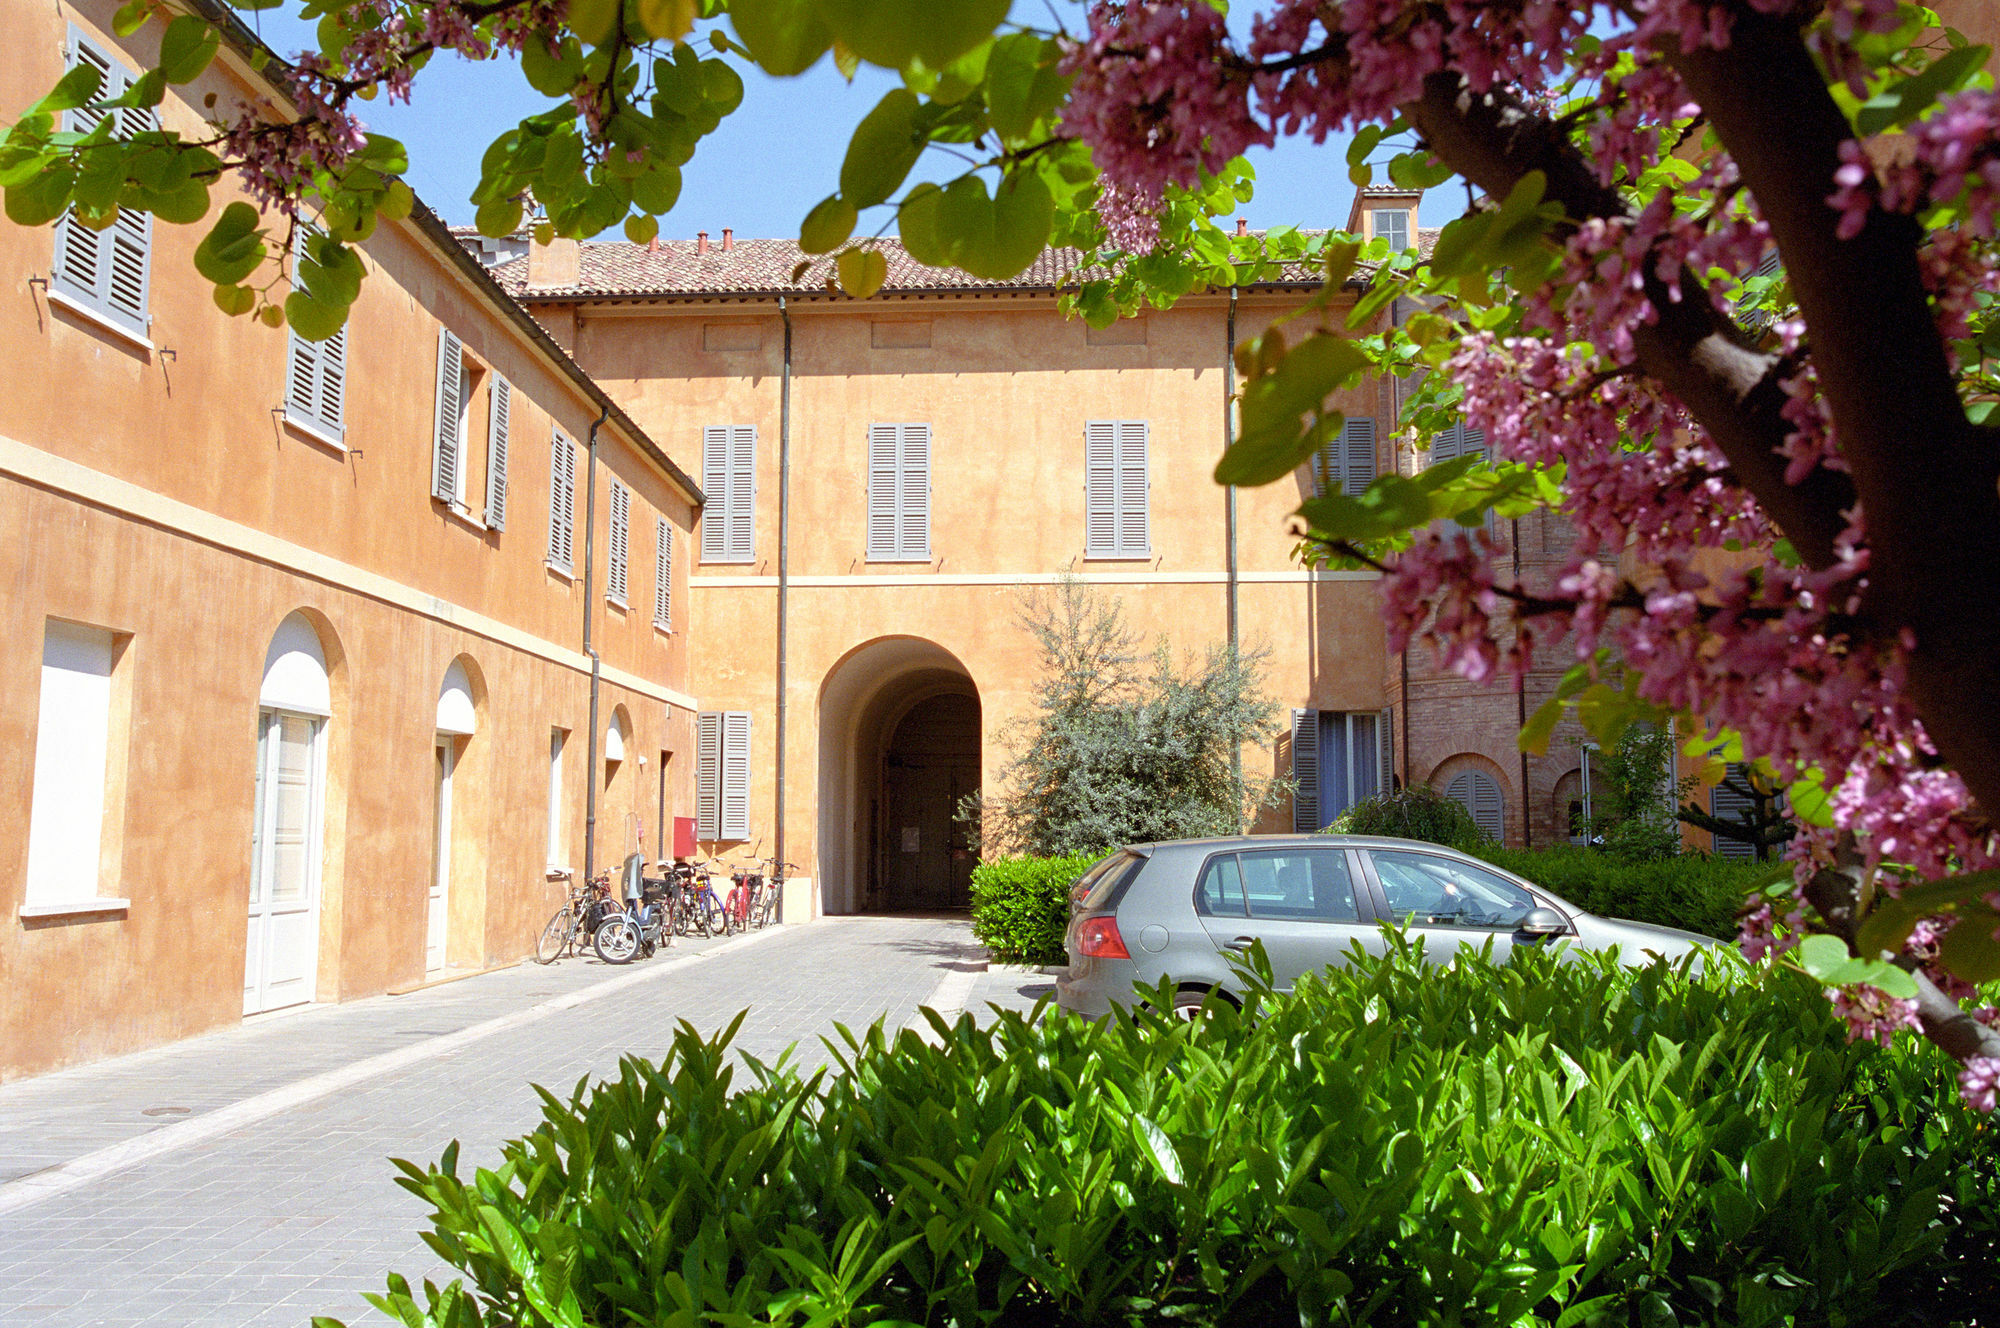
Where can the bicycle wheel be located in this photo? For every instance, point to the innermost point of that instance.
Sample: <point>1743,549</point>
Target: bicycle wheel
<point>555,937</point>
<point>617,940</point>
<point>767,907</point>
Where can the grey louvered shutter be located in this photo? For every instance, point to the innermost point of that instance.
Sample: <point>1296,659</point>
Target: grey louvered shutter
<point>1726,804</point>
<point>707,775</point>
<point>106,269</point>
<point>499,433</point>
<point>1357,463</point>
<point>729,477</point>
<point>1100,484</point>
<point>1305,771</point>
<point>80,251</point>
<point>316,371</point>
<point>1387,738</point>
<point>885,480</point>
<point>562,499</point>
<point>131,239</point>
<point>302,380</point>
<point>663,575</point>
<point>735,811</point>
<point>621,541</point>
<point>914,503</point>
<point>445,440</point>
<point>1480,796</point>
<point>1134,523</point>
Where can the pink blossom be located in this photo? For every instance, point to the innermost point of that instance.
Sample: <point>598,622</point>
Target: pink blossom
<point>1979,1082</point>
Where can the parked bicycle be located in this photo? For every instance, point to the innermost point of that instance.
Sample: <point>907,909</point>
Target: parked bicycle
<point>700,910</point>
<point>589,903</point>
<point>642,926</point>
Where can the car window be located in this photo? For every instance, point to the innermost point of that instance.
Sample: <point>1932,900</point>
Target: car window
<point>1112,874</point>
<point>1221,891</point>
<point>1443,892</point>
<point>1299,884</point>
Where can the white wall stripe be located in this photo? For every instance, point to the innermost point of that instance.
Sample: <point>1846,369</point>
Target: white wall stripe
<point>66,477</point>
<point>1298,576</point>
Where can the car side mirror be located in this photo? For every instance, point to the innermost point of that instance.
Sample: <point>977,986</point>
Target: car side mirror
<point>1542,922</point>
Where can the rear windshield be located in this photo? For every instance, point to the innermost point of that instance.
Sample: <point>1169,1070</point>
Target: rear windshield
<point>1111,877</point>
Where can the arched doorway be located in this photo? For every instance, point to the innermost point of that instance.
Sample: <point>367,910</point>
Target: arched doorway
<point>900,748</point>
<point>457,721</point>
<point>287,836</point>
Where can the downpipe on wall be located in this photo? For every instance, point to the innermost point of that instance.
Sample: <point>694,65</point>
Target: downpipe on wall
<point>784,570</point>
<point>596,668</point>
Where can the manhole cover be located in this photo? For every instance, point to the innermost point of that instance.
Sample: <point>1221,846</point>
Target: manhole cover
<point>166,1111</point>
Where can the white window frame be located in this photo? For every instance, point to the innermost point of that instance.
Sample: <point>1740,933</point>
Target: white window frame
<point>1397,233</point>
<point>899,493</point>
<point>562,503</point>
<point>618,567</point>
<point>729,478</point>
<point>663,574</point>
<point>1117,484</point>
<point>558,850</point>
<point>128,241</point>
<point>722,775</point>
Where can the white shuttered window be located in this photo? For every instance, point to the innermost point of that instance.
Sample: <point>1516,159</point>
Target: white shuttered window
<point>562,501</point>
<point>499,433</point>
<point>1348,460</point>
<point>663,575</point>
<point>621,543</point>
<point>316,374</point>
<point>729,478</point>
<point>899,492</point>
<point>1115,483</point>
<point>1337,760</point>
<point>106,270</point>
<point>722,775</point>
<point>447,442</point>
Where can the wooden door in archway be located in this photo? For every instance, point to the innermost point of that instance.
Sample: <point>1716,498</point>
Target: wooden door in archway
<point>930,765</point>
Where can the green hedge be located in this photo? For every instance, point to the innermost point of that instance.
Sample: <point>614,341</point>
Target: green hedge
<point>1416,812</point>
<point>1020,906</point>
<point>1395,1143</point>
<point>1692,892</point>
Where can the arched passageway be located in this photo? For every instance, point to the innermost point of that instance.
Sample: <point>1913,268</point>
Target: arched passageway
<point>900,748</point>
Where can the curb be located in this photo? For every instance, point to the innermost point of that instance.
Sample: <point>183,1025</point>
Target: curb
<point>32,1189</point>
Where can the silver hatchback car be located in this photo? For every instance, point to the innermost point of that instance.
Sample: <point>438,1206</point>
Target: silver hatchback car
<point>1176,910</point>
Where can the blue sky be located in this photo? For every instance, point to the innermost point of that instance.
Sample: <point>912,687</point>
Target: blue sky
<point>775,157</point>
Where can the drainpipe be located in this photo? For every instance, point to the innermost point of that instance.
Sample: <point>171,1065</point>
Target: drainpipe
<point>1521,711</point>
<point>784,562</point>
<point>596,674</point>
<point>1229,526</point>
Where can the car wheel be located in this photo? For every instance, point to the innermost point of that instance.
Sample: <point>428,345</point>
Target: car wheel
<point>1191,1003</point>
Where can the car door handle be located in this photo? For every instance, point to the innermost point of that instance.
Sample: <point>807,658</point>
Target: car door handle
<point>1241,944</point>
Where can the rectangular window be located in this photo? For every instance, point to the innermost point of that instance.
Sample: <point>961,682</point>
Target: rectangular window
<point>316,373</point>
<point>1458,441</point>
<point>72,765</point>
<point>1338,759</point>
<point>663,575</point>
<point>722,775</point>
<point>1730,801</point>
<point>899,492</point>
<point>729,478</point>
<point>562,501</point>
<point>621,543</point>
<point>499,433</point>
<point>448,434</point>
<point>1115,483</point>
<point>1391,224</point>
<point>1347,460</point>
<point>106,270</point>
<point>557,737</point>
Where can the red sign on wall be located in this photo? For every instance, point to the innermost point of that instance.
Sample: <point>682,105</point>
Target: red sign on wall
<point>684,836</point>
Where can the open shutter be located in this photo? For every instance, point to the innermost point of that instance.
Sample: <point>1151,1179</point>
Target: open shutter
<point>621,541</point>
<point>1134,532</point>
<point>729,478</point>
<point>106,269</point>
<point>885,476</point>
<point>1305,771</point>
<point>1726,804</point>
<point>1357,463</point>
<point>914,505</point>
<point>735,774</point>
<point>1100,483</point>
<point>715,483</point>
<point>707,775</point>
<point>316,372</point>
<point>499,433</point>
<point>1386,736</point>
<point>562,499</point>
<point>302,380</point>
<point>743,493</point>
<point>663,575</point>
<point>131,238</point>
<point>333,383</point>
<point>444,453</point>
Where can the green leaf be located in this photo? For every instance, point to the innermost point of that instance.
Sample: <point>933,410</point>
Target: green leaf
<point>233,247</point>
<point>130,17</point>
<point>41,199</point>
<point>312,319</point>
<point>1826,958</point>
<point>500,216</point>
<point>862,272</point>
<point>1273,439</point>
<point>1540,728</point>
<point>1159,1148</point>
<point>1969,949</point>
<point>235,300</point>
<point>658,189</point>
<point>721,86</point>
<point>79,87</point>
<point>885,146</point>
<point>187,48</point>
<point>182,205</point>
<point>892,33</point>
<point>920,225</point>
<point>1022,83</point>
<point>786,37</point>
<point>1000,236</point>
<point>827,226</point>
<point>667,20</point>
<point>1903,102</point>
<point>595,20</point>
<point>641,229</point>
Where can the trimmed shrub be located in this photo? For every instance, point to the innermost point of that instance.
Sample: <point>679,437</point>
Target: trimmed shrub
<point>1690,891</point>
<point>1395,1143</point>
<point>1416,812</point>
<point>1020,906</point>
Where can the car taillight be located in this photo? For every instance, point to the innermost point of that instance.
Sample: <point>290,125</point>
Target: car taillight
<point>1098,938</point>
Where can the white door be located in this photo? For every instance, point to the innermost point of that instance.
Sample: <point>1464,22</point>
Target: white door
<point>441,878</point>
<point>284,863</point>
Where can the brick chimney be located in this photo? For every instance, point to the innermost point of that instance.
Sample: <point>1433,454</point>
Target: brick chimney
<point>557,263</point>
<point>728,239</point>
<point>700,243</point>
<point>1243,225</point>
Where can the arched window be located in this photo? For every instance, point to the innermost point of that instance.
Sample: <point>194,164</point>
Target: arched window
<point>1480,796</point>
<point>293,705</point>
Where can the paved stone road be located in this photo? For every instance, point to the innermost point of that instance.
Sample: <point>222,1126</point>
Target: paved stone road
<point>294,1213</point>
